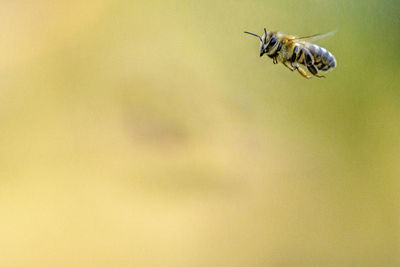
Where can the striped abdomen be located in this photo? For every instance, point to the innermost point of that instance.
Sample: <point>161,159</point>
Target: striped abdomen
<point>311,54</point>
<point>323,59</point>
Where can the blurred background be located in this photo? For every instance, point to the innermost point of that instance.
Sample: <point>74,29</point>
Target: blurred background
<point>151,133</point>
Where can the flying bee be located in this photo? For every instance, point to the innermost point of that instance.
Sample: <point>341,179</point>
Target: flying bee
<point>292,51</point>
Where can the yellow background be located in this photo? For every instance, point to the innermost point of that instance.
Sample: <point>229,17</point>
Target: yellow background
<point>151,133</point>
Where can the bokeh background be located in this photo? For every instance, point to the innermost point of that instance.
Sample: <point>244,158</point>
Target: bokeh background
<point>151,133</point>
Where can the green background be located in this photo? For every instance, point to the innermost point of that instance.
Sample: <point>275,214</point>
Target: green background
<point>151,133</point>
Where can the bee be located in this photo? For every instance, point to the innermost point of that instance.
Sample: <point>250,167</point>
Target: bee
<point>292,51</point>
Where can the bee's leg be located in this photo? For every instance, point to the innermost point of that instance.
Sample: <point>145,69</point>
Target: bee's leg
<point>319,76</point>
<point>301,71</point>
<point>274,60</point>
<point>309,62</point>
<point>288,66</point>
<point>314,71</point>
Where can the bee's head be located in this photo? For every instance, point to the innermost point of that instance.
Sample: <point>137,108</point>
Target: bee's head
<point>265,41</point>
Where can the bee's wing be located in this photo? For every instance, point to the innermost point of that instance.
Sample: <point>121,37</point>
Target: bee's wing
<point>314,37</point>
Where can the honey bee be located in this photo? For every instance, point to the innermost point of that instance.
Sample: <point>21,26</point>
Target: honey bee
<point>292,51</point>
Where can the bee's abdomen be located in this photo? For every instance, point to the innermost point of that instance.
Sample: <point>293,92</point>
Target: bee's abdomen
<point>293,58</point>
<point>323,59</point>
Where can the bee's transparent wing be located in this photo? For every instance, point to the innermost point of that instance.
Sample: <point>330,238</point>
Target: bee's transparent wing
<point>315,37</point>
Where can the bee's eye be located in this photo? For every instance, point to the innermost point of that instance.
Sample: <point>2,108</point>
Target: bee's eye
<point>272,42</point>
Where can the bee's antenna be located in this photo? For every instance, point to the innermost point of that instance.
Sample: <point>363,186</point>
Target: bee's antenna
<point>254,35</point>
<point>265,30</point>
